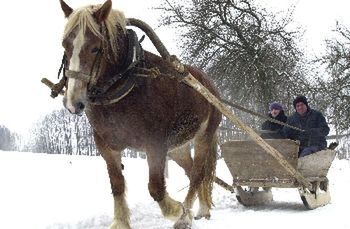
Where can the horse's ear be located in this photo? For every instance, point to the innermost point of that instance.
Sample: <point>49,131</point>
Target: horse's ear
<point>66,9</point>
<point>102,13</point>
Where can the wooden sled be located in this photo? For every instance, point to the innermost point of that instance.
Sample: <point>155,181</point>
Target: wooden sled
<point>253,168</point>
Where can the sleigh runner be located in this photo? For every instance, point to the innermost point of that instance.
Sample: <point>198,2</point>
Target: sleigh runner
<point>251,167</point>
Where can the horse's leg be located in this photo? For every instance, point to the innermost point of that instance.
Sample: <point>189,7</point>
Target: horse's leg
<point>170,208</point>
<point>202,174</point>
<point>113,160</point>
<point>182,156</point>
<point>205,190</point>
<point>206,187</point>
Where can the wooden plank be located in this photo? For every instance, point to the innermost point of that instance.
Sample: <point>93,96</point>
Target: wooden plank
<point>247,161</point>
<point>316,164</point>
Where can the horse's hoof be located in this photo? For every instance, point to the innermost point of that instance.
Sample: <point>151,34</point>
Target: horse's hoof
<point>206,216</point>
<point>185,221</point>
<point>182,224</point>
<point>119,225</point>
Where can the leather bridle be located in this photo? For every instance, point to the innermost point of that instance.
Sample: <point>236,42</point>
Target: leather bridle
<point>97,95</point>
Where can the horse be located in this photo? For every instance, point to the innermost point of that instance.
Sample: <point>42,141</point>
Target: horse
<point>109,77</point>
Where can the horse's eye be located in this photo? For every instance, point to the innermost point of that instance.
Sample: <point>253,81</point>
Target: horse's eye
<point>95,50</point>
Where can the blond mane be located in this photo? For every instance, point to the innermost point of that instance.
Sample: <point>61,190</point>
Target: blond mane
<point>83,19</point>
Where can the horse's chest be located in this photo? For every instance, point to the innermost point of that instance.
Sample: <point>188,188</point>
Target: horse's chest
<point>127,127</point>
<point>133,128</point>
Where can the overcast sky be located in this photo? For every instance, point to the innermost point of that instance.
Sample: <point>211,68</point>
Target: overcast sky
<point>31,46</point>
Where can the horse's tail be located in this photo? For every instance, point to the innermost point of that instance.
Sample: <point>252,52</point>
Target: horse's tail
<point>210,172</point>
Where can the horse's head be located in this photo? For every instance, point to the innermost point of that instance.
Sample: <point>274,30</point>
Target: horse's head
<point>88,34</point>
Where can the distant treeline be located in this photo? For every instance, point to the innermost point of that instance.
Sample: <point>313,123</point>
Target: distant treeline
<point>62,133</point>
<point>8,139</point>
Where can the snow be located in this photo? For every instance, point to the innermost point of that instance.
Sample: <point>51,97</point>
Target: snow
<point>60,191</point>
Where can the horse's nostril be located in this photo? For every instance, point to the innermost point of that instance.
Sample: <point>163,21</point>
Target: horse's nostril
<point>80,106</point>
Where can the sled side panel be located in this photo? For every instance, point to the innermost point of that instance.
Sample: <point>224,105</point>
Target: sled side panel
<point>250,165</point>
<point>316,164</point>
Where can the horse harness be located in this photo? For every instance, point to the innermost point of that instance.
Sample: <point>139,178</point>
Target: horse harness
<point>119,85</point>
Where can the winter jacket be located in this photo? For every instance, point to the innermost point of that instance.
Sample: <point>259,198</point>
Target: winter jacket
<point>315,126</point>
<point>267,125</point>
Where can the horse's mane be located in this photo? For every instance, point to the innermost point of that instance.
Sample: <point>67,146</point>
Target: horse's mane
<point>84,19</point>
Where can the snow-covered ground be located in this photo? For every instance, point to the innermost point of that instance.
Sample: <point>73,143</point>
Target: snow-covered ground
<point>59,191</point>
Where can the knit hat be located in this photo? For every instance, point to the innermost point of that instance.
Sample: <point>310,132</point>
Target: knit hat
<point>276,106</point>
<point>298,99</point>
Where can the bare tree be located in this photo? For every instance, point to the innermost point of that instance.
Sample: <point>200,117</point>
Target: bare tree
<point>250,53</point>
<point>62,133</point>
<point>336,89</point>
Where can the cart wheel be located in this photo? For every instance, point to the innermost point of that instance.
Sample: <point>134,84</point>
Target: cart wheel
<point>253,196</point>
<point>319,196</point>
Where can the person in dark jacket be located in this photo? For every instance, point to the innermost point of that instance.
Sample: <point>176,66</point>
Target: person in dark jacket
<point>273,129</point>
<point>314,124</point>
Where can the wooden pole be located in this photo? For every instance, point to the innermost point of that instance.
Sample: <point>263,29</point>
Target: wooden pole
<point>193,82</point>
<point>224,185</point>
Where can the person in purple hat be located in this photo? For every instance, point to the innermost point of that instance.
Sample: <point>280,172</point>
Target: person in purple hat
<point>275,112</point>
<point>314,124</point>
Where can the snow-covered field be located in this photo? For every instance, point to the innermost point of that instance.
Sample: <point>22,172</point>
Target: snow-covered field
<point>59,191</point>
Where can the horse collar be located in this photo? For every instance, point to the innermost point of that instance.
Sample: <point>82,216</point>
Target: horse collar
<point>126,79</point>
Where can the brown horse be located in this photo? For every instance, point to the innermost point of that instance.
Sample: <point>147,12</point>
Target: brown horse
<point>108,77</point>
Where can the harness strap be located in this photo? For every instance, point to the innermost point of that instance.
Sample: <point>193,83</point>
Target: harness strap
<point>135,55</point>
<point>122,91</point>
<point>78,75</point>
<point>96,70</point>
